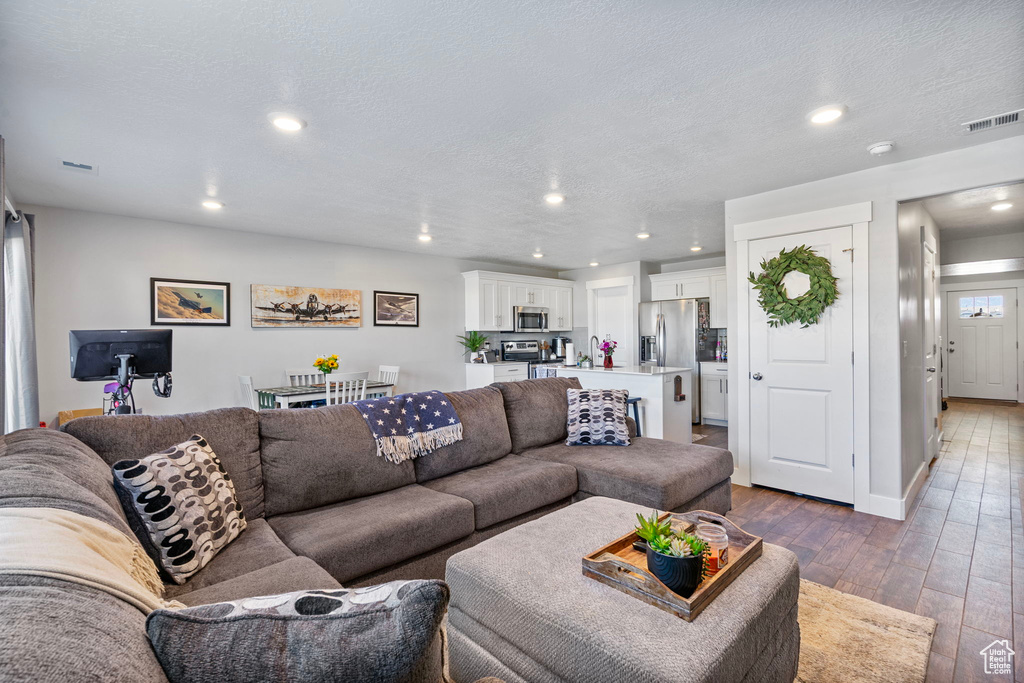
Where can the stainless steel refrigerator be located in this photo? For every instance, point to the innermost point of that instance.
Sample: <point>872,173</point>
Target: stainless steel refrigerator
<point>675,334</point>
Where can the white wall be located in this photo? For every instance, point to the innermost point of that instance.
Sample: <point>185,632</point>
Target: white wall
<point>693,264</point>
<point>884,186</point>
<point>638,270</point>
<point>987,248</point>
<point>93,272</point>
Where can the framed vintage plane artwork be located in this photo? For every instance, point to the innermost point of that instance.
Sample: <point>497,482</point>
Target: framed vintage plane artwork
<point>285,306</point>
<point>395,309</point>
<point>189,302</point>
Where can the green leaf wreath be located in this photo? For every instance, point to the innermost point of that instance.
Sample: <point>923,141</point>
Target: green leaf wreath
<point>808,307</point>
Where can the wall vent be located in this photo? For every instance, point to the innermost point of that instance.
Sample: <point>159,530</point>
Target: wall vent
<point>992,122</point>
<point>78,167</point>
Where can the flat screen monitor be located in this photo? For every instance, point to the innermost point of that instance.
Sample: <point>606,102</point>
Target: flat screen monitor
<point>94,353</point>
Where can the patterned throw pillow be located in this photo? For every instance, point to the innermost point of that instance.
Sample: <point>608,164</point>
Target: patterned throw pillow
<point>597,417</point>
<point>389,632</point>
<point>181,504</point>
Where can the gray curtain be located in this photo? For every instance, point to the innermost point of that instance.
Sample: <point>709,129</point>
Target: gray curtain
<point>21,381</point>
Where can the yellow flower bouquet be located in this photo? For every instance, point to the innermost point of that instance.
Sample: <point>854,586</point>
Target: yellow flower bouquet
<point>326,364</point>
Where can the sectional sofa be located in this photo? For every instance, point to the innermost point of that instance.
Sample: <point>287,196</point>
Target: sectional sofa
<point>322,508</point>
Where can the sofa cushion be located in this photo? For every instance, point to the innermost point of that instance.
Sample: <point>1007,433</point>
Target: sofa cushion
<point>597,417</point>
<point>389,632</point>
<point>54,630</point>
<point>653,473</point>
<point>536,410</point>
<point>294,574</point>
<point>359,536</point>
<point>313,458</point>
<point>44,468</point>
<point>181,505</point>
<point>256,547</point>
<point>232,432</point>
<point>485,436</point>
<point>508,487</point>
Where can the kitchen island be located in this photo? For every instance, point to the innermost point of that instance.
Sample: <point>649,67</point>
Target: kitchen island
<point>662,416</point>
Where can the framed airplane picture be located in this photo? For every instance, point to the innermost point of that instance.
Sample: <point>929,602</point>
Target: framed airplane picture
<point>394,309</point>
<point>284,306</point>
<point>189,302</point>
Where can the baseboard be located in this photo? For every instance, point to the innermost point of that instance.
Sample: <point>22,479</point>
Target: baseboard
<point>897,508</point>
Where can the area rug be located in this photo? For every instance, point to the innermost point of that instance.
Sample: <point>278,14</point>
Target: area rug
<point>694,438</point>
<point>847,639</point>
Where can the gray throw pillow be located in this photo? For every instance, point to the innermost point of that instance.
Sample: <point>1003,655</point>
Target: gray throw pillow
<point>597,417</point>
<point>390,632</point>
<point>181,504</point>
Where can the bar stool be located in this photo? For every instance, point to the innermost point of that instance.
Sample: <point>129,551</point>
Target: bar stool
<point>635,402</point>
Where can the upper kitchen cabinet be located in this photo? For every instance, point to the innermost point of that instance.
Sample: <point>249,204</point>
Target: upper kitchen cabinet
<point>708,283</point>
<point>491,298</point>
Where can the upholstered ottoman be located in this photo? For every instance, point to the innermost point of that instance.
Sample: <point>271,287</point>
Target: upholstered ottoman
<point>522,610</point>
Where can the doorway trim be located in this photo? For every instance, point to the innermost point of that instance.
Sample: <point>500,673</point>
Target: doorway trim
<point>945,289</point>
<point>859,217</point>
<point>632,323</point>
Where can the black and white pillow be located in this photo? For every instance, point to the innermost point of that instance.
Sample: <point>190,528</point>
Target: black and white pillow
<point>388,632</point>
<point>181,504</point>
<point>597,417</point>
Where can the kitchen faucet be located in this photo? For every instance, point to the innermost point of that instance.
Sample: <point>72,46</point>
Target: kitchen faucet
<point>594,343</point>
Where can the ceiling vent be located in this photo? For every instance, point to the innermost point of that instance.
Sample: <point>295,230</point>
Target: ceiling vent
<point>78,168</point>
<point>992,122</point>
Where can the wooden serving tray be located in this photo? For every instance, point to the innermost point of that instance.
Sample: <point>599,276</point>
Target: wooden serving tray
<point>622,567</point>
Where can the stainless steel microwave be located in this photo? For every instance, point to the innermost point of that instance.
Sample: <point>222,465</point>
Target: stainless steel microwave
<point>530,319</point>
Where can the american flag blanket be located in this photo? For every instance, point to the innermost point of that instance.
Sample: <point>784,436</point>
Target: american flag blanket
<point>410,425</point>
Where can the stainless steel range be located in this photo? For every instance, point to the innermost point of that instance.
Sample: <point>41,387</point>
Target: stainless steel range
<point>527,351</point>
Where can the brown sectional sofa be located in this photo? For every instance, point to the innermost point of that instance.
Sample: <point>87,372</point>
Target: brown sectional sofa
<point>324,509</point>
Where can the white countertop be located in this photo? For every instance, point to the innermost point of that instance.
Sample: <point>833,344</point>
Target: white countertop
<point>627,369</point>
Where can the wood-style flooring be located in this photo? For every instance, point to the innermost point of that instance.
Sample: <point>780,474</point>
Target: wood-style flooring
<point>958,557</point>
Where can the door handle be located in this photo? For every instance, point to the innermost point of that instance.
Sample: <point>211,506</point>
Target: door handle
<point>757,377</point>
<point>930,369</point>
<point>952,350</point>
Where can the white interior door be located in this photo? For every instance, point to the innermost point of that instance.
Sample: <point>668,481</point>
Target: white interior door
<point>930,303</point>
<point>613,315</point>
<point>801,382</point>
<point>982,344</point>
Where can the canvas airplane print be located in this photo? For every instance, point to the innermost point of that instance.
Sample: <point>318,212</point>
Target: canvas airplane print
<point>189,302</point>
<point>396,309</point>
<point>284,306</point>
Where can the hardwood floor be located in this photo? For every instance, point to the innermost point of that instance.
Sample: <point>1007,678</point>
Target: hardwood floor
<point>713,436</point>
<point>958,557</point>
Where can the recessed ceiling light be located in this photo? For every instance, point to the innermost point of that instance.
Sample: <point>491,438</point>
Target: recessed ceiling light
<point>594,263</point>
<point>213,204</point>
<point>287,122</point>
<point>827,114</point>
<point>554,198</point>
<point>696,248</point>
<point>1002,206</point>
<point>537,254</point>
<point>425,237</point>
<point>643,235</point>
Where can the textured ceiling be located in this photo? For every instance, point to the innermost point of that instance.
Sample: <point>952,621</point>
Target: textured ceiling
<point>463,113</point>
<point>969,213</point>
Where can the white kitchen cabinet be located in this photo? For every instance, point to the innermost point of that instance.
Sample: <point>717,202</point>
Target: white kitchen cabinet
<point>482,374</point>
<point>719,301</point>
<point>491,296</point>
<point>714,394</point>
<point>560,314</point>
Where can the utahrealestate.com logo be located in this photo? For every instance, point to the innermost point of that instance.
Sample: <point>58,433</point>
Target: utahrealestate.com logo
<point>998,658</point>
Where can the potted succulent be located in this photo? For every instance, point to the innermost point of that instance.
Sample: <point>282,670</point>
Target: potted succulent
<point>677,559</point>
<point>474,343</point>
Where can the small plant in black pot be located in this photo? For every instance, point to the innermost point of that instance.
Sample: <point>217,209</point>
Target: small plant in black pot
<point>650,528</point>
<point>678,561</point>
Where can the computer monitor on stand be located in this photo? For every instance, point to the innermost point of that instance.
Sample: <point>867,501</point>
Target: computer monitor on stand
<point>122,355</point>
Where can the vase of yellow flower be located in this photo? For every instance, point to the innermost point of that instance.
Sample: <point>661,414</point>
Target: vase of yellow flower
<point>326,364</point>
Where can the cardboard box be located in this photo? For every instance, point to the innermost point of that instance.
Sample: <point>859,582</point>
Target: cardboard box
<point>65,416</point>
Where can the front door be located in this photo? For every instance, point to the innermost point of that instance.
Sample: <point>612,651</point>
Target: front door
<point>801,383</point>
<point>982,345</point>
<point>930,303</point>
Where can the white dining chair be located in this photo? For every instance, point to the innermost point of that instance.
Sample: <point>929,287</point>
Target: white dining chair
<point>389,375</point>
<point>248,393</point>
<point>346,387</point>
<point>304,378</point>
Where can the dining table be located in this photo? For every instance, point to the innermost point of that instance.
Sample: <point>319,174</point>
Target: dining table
<point>286,397</point>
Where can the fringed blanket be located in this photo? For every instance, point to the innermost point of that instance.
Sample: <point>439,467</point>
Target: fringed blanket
<point>410,425</point>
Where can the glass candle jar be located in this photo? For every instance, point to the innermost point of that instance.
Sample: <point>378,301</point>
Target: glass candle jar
<point>718,545</point>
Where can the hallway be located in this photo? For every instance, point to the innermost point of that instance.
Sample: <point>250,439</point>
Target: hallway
<point>959,556</point>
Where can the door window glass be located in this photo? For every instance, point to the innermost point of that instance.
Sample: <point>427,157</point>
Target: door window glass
<point>981,307</point>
